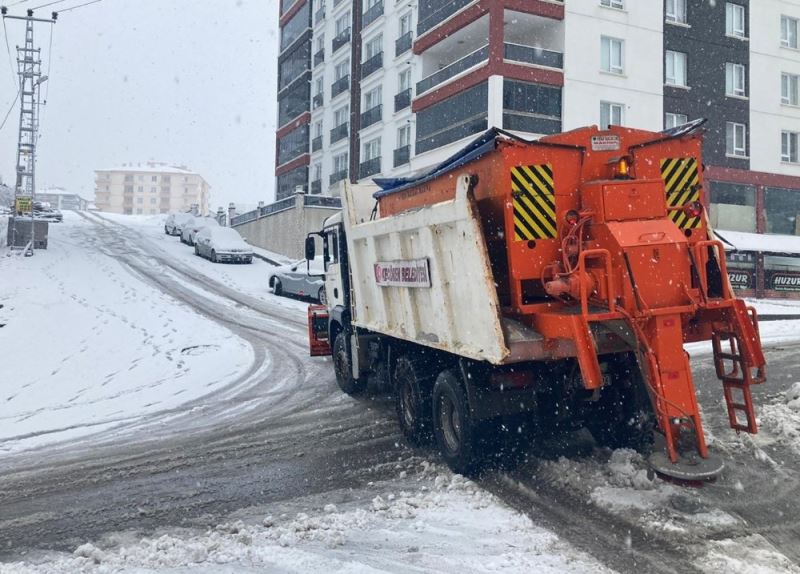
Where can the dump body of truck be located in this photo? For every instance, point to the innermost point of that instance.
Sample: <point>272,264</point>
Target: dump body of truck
<point>565,271</point>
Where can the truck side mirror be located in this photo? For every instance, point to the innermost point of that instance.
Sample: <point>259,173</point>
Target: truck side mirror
<point>311,248</point>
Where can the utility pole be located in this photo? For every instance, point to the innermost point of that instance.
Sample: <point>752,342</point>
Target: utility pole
<point>29,68</point>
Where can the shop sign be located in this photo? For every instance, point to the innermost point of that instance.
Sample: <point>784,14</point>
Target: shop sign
<point>413,273</point>
<point>783,281</point>
<point>740,279</point>
<point>23,204</point>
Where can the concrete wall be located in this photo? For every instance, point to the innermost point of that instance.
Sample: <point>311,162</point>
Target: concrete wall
<point>3,229</point>
<point>284,232</point>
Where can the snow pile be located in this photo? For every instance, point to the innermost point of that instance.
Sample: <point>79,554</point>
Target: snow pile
<point>781,417</point>
<point>747,555</point>
<point>446,524</point>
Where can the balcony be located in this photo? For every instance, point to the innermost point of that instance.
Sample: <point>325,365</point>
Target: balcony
<point>372,65</point>
<point>316,187</point>
<point>402,155</point>
<point>373,13</point>
<point>531,55</point>
<point>317,100</point>
<point>338,176</point>
<point>341,40</point>
<point>402,100</point>
<point>479,56</point>
<point>319,57</point>
<point>371,116</point>
<point>319,15</point>
<point>339,132</point>
<point>340,85</point>
<point>403,43</point>
<point>369,167</point>
<point>316,144</point>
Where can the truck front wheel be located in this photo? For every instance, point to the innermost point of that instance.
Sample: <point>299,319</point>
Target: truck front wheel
<point>456,435</point>
<point>343,366</point>
<point>412,389</point>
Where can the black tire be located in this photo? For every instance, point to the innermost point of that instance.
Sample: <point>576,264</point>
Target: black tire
<point>196,251</point>
<point>623,416</point>
<point>213,256</point>
<point>343,367</point>
<point>321,297</point>
<point>456,436</point>
<point>249,260</point>
<point>166,231</point>
<point>277,288</point>
<point>412,385</point>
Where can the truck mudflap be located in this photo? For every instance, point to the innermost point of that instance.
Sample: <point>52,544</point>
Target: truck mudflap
<point>318,336</point>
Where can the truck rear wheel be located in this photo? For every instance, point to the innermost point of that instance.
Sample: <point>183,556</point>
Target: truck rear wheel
<point>343,366</point>
<point>456,435</point>
<point>412,389</point>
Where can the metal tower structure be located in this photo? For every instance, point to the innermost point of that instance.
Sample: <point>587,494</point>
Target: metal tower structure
<point>29,69</point>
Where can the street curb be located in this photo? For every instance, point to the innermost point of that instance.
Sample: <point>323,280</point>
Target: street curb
<point>778,317</point>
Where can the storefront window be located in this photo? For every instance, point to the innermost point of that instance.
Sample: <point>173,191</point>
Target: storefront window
<point>782,273</point>
<point>782,207</point>
<point>733,206</point>
<point>741,269</point>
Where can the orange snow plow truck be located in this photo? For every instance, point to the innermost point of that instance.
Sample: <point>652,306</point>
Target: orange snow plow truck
<point>533,287</point>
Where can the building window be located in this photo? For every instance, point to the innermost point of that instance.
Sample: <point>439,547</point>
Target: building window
<point>138,211</point>
<point>618,4</point>
<point>128,177</point>
<point>373,47</point>
<point>782,207</point>
<point>140,189</point>
<point>733,206</point>
<point>153,200</point>
<point>611,114</point>
<point>128,189</point>
<point>790,89</point>
<point>343,23</point>
<point>372,99</point>
<point>676,11</point>
<point>735,80</point>
<point>404,80</point>
<point>612,55</point>
<point>789,141</point>
<point>341,116</point>
<point>372,149</point>
<point>342,69</point>
<point>403,136</point>
<point>735,139</point>
<point>318,86</point>
<point>788,32</point>
<point>141,178</point>
<point>672,120</point>
<point>734,20</point>
<point>318,129</point>
<point>153,178</point>
<point>152,190</point>
<point>316,172</point>
<point>675,68</point>
<point>405,24</point>
<point>139,200</point>
<point>340,163</point>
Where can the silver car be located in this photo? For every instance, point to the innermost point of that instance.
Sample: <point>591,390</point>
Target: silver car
<point>174,223</point>
<point>293,279</point>
<point>221,244</point>
<point>190,228</point>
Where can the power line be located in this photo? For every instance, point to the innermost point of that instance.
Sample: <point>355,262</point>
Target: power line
<point>8,113</point>
<point>10,59</point>
<point>48,4</point>
<point>80,6</point>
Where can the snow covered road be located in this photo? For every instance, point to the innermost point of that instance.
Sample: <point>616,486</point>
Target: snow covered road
<point>275,445</point>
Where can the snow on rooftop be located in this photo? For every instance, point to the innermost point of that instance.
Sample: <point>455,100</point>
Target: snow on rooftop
<point>742,241</point>
<point>151,167</point>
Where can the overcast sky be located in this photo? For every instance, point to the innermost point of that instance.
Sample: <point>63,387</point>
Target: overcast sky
<point>190,82</point>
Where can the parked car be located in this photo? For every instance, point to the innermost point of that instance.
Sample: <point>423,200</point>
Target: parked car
<point>220,244</point>
<point>175,221</point>
<point>190,228</point>
<point>43,211</point>
<point>293,279</point>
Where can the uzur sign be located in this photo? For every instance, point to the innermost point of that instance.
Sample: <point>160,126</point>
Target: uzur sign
<point>783,281</point>
<point>413,273</point>
<point>740,279</point>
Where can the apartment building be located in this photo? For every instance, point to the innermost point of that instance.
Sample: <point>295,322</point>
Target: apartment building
<point>150,188</point>
<point>388,87</point>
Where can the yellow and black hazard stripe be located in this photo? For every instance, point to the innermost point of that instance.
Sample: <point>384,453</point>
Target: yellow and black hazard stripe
<point>681,179</point>
<point>534,202</point>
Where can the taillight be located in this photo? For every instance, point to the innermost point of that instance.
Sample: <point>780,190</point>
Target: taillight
<point>694,209</point>
<point>572,217</point>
